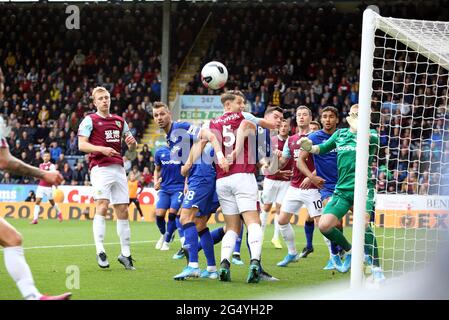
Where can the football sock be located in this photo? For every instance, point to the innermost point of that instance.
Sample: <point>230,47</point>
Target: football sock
<point>288,234</point>
<point>207,243</point>
<point>20,272</point>
<point>99,228</point>
<point>171,226</point>
<point>238,243</point>
<point>191,243</point>
<point>179,227</point>
<point>255,240</point>
<point>37,208</point>
<point>160,221</point>
<point>228,244</point>
<point>249,251</point>
<point>263,219</point>
<point>124,233</point>
<point>216,234</point>
<point>337,236</point>
<point>276,227</point>
<point>309,227</point>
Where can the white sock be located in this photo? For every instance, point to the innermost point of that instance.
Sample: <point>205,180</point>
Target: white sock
<point>56,208</point>
<point>182,240</point>
<point>228,244</point>
<point>99,227</point>
<point>263,219</point>
<point>328,243</point>
<point>124,233</point>
<point>193,264</point>
<point>212,268</point>
<point>19,270</point>
<point>37,208</point>
<point>288,234</point>
<point>276,227</point>
<point>255,240</point>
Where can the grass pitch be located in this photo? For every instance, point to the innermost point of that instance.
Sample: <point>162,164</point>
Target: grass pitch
<point>55,251</point>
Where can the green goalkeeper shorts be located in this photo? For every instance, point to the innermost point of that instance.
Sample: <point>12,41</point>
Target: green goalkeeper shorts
<point>341,202</point>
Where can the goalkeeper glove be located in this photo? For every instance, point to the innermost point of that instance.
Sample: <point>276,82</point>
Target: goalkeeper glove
<point>352,120</point>
<point>307,145</point>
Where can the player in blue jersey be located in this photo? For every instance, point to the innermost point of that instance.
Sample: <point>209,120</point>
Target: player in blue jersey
<point>170,184</point>
<point>180,137</point>
<point>326,170</point>
<point>196,210</point>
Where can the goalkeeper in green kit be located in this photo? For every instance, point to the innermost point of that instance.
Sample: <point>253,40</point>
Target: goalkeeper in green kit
<point>344,141</point>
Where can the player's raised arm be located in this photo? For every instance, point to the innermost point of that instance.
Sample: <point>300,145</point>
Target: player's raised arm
<point>246,128</point>
<point>12,164</point>
<point>210,136</point>
<point>194,154</point>
<point>302,166</point>
<point>264,123</point>
<point>329,145</point>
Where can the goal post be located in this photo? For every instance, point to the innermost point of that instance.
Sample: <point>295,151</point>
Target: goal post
<point>403,95</point>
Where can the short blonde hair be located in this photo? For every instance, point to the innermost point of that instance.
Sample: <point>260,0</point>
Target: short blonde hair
<point>98,89</point>
<point>231,95</point>
<point>160,104</point>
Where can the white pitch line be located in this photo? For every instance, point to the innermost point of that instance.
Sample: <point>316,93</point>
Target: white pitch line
<point>83,245</point>
<point>109,243</point>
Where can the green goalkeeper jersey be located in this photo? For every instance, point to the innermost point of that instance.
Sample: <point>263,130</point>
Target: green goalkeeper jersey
<point>344,141</point>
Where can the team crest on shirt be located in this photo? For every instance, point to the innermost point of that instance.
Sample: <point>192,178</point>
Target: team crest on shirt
<point>119,124</point>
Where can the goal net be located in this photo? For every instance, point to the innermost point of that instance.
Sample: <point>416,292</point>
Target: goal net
<point>404,97</point>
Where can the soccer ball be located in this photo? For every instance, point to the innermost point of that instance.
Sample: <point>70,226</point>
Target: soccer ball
<point>214,75</point>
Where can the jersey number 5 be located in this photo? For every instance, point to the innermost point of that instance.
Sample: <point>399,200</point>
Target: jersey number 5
<point>227,132</point>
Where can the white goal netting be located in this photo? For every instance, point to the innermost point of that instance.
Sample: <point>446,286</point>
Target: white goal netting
<point>410,170</point>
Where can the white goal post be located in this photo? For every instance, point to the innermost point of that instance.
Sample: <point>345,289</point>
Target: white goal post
<point>404,66</point>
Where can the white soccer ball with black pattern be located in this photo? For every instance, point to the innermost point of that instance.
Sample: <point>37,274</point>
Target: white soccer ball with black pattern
<point>214,75</point>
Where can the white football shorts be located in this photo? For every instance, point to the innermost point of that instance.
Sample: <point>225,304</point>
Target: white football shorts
<point>295,198</point>
<point>237,193</point>
<point>44,191</point>
<point>110,183</point>
<point>274,191</point>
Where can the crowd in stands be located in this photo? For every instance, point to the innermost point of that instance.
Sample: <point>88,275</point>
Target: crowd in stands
<point>310,56</point>
<point>282,54</point>
<point>50,71</point>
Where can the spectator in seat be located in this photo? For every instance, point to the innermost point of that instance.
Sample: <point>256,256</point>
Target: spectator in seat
<point>140,162</point>
<point>72,145</point>
<point>61,161</point>
<point>67,173</point>
<point>42,132</point>
<point>6,178</point>
<point>147,177</point>
<point>79,174</point>
<point>258,107</point>
<point>146,152</point>
<point>55,151</point>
